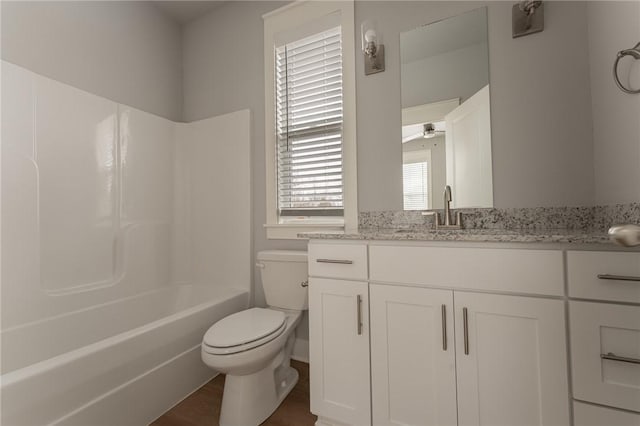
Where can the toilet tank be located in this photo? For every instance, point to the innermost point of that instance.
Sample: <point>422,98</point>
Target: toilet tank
<point>285,278</point>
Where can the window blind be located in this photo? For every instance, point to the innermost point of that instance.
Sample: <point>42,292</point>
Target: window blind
<point>309,125</point>
<point>414,179</point>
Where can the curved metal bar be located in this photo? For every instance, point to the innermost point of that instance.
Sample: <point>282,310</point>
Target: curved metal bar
<point>635,53</point>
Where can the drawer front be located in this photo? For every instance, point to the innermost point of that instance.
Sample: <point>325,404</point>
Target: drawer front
<point>605,353</point>
<point>346,261</point>
<point>508,270</point>
<point>592,415</point>
<point>584,267</point>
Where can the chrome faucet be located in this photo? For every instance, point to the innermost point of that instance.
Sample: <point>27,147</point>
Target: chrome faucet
<point>448,221</point>
<point>447,205</point>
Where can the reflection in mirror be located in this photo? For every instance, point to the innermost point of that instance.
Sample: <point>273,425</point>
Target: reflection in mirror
<point>446,132</point>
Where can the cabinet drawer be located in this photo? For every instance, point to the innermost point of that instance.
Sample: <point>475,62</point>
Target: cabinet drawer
<point>612,331</point>
<point>508,270</point>
<point>584,267</point>
<point>347,261</point>
<point>592,415</point>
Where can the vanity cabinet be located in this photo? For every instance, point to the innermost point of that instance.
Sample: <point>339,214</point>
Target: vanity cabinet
<point>605,343</point>
<point>605,336</point>
<point>444,349</point>
<point>511,360</point>
<point>413,365</point>
<point>502,360</point>
<point>339,350</point>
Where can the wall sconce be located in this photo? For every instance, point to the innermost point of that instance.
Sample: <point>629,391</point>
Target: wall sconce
<point>372,48</point>
<point>527,17</point>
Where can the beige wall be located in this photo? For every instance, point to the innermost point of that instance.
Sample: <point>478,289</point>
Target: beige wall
<point>616,115</point>
<point>223,72</point>
<point>456,74</point>
<point>540,106</point>
<point>128,52</point>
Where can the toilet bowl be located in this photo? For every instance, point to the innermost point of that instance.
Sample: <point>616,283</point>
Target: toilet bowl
<point>253,347</point>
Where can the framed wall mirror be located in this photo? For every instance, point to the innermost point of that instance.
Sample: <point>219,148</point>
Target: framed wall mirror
<point>446,117</point>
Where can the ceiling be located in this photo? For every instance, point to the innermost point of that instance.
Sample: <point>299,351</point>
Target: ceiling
<point>184,11</point>
<point>451,34</point>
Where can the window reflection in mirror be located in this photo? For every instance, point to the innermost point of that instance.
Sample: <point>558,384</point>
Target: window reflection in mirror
<point>446,132</point>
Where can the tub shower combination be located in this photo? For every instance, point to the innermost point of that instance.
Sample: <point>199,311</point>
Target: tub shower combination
<point>116,255</point>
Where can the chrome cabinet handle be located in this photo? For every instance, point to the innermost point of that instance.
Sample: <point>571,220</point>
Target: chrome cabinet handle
<point>465,324</point>
<point>444,327</point>
<point>618,277</point>
<point>339,261</point>
<point>613,357</point>
<point>359,314</point>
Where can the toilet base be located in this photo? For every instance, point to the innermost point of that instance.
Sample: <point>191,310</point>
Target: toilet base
<point>249,400</point>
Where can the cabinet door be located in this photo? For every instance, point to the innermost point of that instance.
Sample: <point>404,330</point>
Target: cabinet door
<point>339,350</point>
<point>605,353</point>
<point>511,360</point>
<point>413,375</point>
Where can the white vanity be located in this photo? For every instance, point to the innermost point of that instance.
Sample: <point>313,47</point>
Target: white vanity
<point>458,333</point>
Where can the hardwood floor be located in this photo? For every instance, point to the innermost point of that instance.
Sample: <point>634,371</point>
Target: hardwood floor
<point>202,408</point>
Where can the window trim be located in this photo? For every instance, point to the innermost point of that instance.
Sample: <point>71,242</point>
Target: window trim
<point>287,18</point>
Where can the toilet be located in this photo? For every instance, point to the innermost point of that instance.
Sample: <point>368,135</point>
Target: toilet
<point>253,347</point>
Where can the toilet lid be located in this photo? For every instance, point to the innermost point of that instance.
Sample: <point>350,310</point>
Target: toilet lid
<point>242,328</point>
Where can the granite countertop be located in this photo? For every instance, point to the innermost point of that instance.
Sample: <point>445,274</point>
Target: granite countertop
<point>563,225</point>
<point>470,235</point>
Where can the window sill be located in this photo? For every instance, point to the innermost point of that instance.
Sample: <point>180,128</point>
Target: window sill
<point>290,231</point>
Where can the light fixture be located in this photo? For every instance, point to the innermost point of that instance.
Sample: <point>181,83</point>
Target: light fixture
<point>527,17</point>
<point>372,48</point>
<point>427,131</point>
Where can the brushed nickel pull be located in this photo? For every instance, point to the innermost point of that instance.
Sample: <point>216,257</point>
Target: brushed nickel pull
<point>465,324</point>
<point>340,261</point>
<point>444,327</point>
<point>618,277</point>
<point>359,313</point>
<point>613,357</point>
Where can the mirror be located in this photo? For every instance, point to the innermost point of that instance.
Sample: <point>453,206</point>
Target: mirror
<point>446,131</point>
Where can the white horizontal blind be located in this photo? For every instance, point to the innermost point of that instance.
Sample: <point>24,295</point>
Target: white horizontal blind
<point>415,186</point>
<point>309,125</point>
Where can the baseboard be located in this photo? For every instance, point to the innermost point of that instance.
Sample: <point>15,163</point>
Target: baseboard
<point>301,350</point>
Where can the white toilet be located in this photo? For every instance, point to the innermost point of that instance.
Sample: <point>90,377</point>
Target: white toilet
<point>253,347</point>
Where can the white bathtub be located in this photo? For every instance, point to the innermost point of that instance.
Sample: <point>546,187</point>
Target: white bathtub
<point>120,363</point>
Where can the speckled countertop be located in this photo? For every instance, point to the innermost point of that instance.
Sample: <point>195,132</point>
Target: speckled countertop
<point>470,235</point>
<point>572,225</point>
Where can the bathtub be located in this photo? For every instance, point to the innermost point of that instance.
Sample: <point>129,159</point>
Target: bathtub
<point>120,363</point>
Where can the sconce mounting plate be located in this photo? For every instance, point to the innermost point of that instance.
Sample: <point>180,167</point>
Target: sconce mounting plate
<point>523,24</point>
<point>374,64</point>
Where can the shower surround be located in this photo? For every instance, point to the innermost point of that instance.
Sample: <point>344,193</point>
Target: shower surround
<point>116,251</point>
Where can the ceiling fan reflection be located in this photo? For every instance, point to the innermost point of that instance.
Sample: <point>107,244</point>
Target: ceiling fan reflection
<point>428,131</point>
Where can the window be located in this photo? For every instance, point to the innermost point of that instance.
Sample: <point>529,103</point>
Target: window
<point>415,182</point>
<point>310,118</point>
<point>309,125</point>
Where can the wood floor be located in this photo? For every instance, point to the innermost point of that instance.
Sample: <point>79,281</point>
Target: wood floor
<point>202,408</point>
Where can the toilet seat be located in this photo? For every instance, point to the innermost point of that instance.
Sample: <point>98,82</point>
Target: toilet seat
<point>243,331</point>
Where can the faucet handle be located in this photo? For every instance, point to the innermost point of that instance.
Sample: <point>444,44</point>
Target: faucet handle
<point>453,226</point>
<point>436,217</point>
